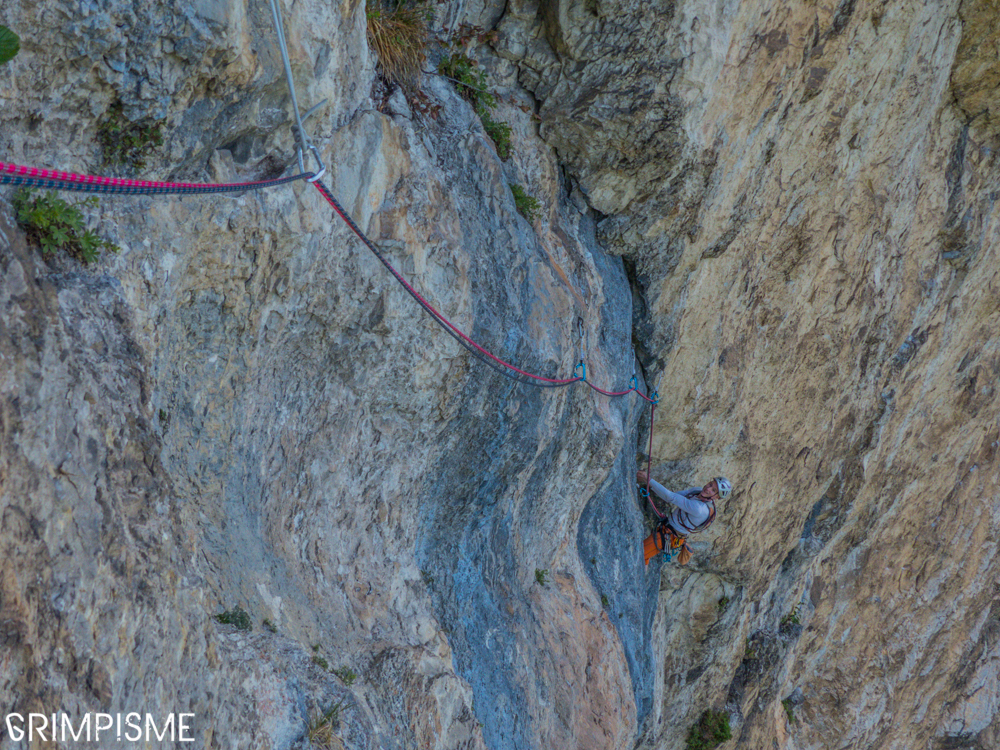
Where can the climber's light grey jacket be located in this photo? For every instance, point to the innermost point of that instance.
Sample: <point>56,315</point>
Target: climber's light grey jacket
<point>688,513</point>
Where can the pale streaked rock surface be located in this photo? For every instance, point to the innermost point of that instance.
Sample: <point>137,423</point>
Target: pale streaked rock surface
<point>818,250</point>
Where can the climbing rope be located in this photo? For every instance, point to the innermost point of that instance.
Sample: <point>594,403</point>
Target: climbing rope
<point>484,355</point>
<point>50,179</point>
<point>644,491</point>
<point>13,174</point>
<point>481,353</point>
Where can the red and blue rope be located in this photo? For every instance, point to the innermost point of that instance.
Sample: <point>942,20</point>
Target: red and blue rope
<point>50,179</point>
<point>14,174</point>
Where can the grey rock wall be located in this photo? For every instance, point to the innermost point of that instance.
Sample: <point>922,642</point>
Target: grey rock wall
<point>787,209</point>
<point>103,605</point>
<point>330,460</point>
<point>813,237</point>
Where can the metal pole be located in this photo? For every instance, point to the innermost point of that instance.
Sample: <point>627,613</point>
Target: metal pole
<point>301,141</point>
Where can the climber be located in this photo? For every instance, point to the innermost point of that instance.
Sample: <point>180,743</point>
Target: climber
<point>694,510</point>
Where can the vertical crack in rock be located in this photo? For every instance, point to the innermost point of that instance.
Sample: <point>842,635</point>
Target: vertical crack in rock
<point>499,500</point>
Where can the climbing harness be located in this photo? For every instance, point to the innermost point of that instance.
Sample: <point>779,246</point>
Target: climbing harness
<point>657,542</point>
<point>664,540</point>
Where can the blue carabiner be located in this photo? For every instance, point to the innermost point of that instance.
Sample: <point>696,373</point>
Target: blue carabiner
<point>582,366</point>
<point>633,384</point>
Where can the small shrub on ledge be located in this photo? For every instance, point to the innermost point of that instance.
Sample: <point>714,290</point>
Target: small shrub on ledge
<point>125,143</point>
<point>470,81</point>
<point>526,205</point>
<point>346,675</point>
<point>789,710</point>
<point>237,617</point>
<point>710,731</point>
<point>52,223</point>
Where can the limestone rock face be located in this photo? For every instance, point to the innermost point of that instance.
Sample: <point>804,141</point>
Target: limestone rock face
<point>785,211</point>
<point>306,445</point>
<point>103,607</point>
<point>976,70</point>
<point>817,252</point>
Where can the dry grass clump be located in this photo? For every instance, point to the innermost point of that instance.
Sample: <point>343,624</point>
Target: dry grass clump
<point>322,727</point>
<point>397,31</point>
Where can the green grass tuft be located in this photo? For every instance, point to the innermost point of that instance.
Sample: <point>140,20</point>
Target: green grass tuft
<point>322,727</point>
<point>397,32</point>
<point>237,617</point>
<point>710,731</point>
<point>346,675</point>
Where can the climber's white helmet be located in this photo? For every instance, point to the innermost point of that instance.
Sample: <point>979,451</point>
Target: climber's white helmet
<point>725,487</point>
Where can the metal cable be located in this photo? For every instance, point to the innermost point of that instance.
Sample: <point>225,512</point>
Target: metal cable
<point>301,140</point>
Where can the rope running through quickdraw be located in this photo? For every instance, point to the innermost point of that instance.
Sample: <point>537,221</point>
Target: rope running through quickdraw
<point>13,174</point>
<point>484,355</point>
